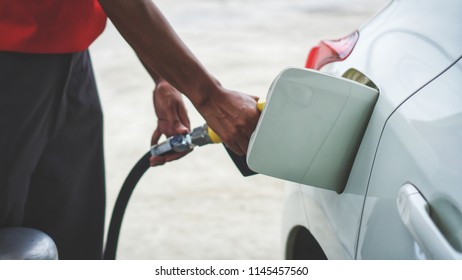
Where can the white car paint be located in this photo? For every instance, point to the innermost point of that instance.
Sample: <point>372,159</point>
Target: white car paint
<point>411,50</point>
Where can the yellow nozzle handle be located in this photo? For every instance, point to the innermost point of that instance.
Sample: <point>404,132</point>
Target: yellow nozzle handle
<point>261,104</point>
<point>213,136</point>
<point>216,139</point>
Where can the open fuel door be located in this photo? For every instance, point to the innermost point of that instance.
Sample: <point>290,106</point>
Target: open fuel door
<point>311,127</point>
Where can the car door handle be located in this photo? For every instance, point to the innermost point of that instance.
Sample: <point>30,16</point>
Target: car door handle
<point>415,213</point>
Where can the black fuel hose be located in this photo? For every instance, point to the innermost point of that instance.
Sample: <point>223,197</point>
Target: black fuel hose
<point>127,189</point>
<point>121,204</point>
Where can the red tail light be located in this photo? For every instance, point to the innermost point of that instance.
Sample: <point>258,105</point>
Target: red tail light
<point>331,50</point>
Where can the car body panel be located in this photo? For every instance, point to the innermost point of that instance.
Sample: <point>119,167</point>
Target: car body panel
<point>402,49</point>
<point>421,145</point>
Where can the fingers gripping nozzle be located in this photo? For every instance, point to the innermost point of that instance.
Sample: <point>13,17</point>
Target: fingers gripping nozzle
<point>200,136</point>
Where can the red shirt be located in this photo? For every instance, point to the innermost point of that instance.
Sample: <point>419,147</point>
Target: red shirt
<point>49,26</point>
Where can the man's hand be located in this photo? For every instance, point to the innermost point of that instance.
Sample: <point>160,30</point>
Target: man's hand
<point>172,118</point>
<point>233,116</point>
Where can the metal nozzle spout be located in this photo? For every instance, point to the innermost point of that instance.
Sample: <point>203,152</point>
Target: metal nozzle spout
<point>200,136</point>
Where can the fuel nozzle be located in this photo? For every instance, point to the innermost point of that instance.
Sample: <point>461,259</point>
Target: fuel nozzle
<point>200,136</point>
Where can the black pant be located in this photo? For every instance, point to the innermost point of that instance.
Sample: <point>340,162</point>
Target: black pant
<point>51,150</point>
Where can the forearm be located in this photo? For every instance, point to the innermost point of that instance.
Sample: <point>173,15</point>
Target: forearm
<point>155,77</point>
<point>162,52</point>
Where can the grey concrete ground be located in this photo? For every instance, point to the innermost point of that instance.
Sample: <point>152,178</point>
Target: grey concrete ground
<point>201,207</point>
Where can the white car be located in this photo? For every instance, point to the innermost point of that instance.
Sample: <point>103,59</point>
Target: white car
<point>403,196</point>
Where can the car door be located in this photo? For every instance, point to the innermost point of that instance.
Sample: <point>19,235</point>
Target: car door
<point>414,198</point>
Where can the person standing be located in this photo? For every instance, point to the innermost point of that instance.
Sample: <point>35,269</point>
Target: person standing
<point>51,143</point>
